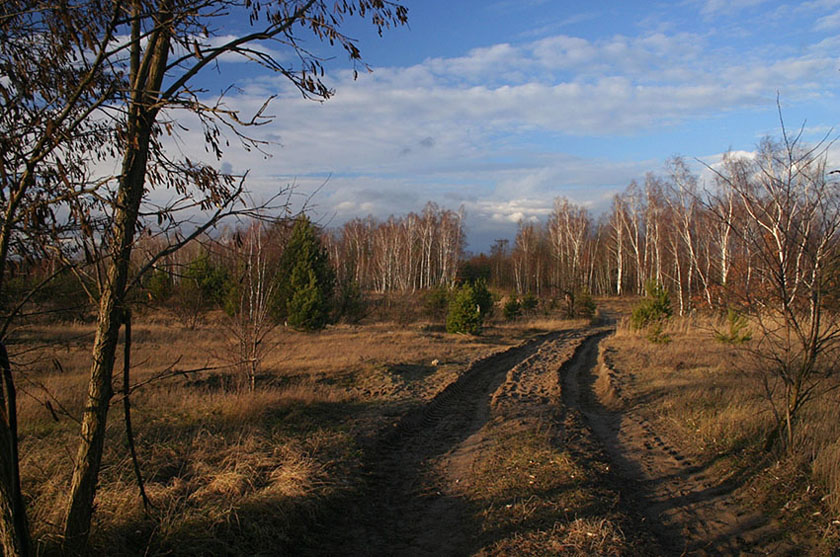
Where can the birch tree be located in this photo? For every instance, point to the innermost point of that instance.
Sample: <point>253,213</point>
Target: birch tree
<point>789,222</point>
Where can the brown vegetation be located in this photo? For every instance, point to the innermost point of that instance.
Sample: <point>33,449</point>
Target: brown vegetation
<point>706,397</point>
<point>226,470</point>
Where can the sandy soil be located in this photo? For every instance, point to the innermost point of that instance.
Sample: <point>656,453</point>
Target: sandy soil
<point>691,513</point>
<point>418,470</point>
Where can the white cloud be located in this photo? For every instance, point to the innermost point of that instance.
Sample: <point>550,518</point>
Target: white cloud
<point>447,129</point>
<point>727,7</point>
<point>828,22</point>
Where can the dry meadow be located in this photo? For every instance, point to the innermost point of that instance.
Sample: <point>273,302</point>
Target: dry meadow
<point>229,471</point>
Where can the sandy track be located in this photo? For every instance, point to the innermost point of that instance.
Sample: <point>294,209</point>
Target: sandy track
<point>691,513</point>
<point>417,473</point>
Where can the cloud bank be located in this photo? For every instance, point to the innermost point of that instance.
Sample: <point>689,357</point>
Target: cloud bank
<point>504,129</point>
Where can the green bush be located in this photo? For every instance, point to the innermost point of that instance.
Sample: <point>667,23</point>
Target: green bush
<point>465,312</point>
<point>483,297</point>
<point>65,297</point>
<point>159,286</point>
<point>512,309</point>
<point>349,302</point>
<point>208,281</point>
<point>436,302</point>
<point>654,308</point>
<point>738,332</point>
<point>656,333</point>
<point>529,302</point>
<point>584,306</point>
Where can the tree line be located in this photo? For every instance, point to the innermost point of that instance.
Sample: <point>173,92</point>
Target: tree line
<point>697,240</point>
<point>404,253</point>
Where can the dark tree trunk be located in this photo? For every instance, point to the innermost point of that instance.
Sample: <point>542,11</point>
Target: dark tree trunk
<point>141,120</point>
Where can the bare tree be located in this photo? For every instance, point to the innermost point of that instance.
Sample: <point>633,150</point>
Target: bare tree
<point>568,228</point>
<point>789,221</point>
<point>250,321</point>
<point>683,203</point>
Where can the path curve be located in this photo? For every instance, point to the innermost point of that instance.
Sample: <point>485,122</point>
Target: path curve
<point>691,513</point>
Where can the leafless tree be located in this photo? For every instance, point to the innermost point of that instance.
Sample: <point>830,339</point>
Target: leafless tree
<point>788,217</point>
<point>250,322</point>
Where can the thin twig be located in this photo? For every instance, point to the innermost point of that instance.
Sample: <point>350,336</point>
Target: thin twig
<point>129,434</point>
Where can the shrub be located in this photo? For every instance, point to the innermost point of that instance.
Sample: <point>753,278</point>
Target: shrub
<point>656,333</point>
<point>738,332</point>
<point>208,278</point>
<point>436,301</point>
<point>512,309</point>
<point>159,286</point>
<point>654,308</point>
<point>584,306</point>
<point>204,285</point>
<point>349,303</point>
<point>65,297</point>
<point>483,297</point>
<point>529,302</point>
<point>464,312</point>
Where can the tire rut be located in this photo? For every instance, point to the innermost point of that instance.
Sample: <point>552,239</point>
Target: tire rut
<point>690,513</point>
<point>406,507</point>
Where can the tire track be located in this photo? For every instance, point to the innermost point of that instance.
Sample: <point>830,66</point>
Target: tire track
<point>689,512</point>
<point>407,507</point>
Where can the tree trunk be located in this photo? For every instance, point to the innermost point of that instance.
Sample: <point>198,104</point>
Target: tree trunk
<point>142,116</point>
<point>86,471</point>
<point>14,530</point>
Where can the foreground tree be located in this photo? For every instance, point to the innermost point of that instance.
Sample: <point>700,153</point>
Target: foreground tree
<point>127,65</point>
<point>55,76</point>
<point>787,215</point>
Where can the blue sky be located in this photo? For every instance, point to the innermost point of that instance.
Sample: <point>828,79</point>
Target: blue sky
<point>503,105</point>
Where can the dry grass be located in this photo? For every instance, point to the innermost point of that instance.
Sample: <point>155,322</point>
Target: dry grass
<point>541,487</point>
<point>708,396</point>
<point>535,498</point>
<point>228,472</point>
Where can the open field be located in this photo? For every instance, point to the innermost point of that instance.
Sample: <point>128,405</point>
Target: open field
<point>539,437</point>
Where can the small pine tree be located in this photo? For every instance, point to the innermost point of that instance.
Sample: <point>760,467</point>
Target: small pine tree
<point>483,298</point>
<point>739,331</point>
<point>436,301</point>
<point>305,280</point>
<point>652,312</point>
<point>529,302</point>
<point>654,308</point>
<point>308,309</point>
<point>512,309</point>
<point>208,279</point>
<point>583,305</point>
<point>159,286</point>
<point>203,286</point>
<point>464,312</point>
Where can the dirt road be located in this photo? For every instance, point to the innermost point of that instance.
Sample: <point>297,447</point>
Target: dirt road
<point>424,489</point>
<point>691,513</point>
